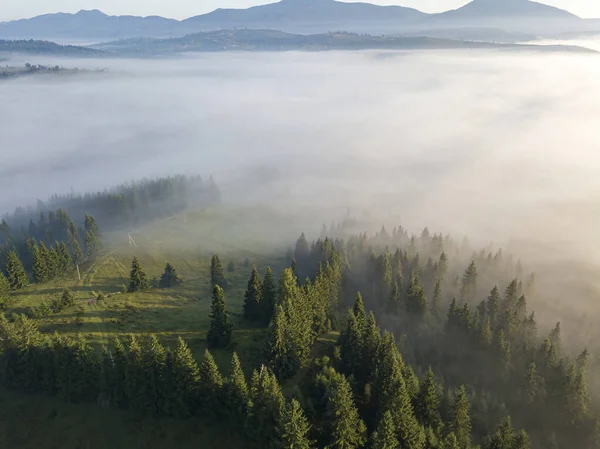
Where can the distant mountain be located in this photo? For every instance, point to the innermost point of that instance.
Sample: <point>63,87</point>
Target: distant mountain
<point>324,15</point>
<point>310,17</point>
<point>514,13</point>
<point>269,40</point>
<point>88,25</point>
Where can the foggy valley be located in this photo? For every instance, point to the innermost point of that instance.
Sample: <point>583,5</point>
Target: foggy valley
<point>259,243</point>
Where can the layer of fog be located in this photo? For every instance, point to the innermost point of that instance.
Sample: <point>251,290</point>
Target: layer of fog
<point>498,146</point>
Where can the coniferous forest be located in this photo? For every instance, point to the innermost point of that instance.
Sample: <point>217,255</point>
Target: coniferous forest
<point>380,341</point>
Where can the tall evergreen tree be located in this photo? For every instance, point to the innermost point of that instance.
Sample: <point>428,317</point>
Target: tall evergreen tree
<point>269,297</point>
<point>294,428</point>
<point>211,386</point>
<point>64,258</point>
<point>253,297</point>
<point>460,423</point>
<point>15,271</point>
<point>416,303</point>
<point>237,394</point>
<point>134,375</point>
<point>267,405</point>
<point>468,291</point>
<point>344,427</point>
<point>394,302</point>
<point>169,277</point>
<point>154,362</point>
<point>221,329</point>
<point>216,273</point>
<point>428,402</point>
<point>185,380</point>
<point>279,351</point>
<point>384,436</point>
<point>436,300</point>
<point>137,278</point>
<point>40,270</point>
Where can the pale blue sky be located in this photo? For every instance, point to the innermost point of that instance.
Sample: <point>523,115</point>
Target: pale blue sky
<point>14,9</point>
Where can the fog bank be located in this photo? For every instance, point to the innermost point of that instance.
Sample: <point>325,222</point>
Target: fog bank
<point>499,146</point>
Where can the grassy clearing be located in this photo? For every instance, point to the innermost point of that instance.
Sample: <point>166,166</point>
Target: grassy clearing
<point>188,242</point>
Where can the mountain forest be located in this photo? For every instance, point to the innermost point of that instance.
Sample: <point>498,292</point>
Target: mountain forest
<point>142,307</point>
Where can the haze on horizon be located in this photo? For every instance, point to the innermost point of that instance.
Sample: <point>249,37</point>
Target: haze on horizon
<point>181,9</point>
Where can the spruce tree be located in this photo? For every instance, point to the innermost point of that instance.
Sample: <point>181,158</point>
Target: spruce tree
<point>253,297</point>
<point>221,329</point>
<point>210,386</point>
<point>134,375</point>
<point>436,300</point>
<point>493,306</point>
<point>460,423</point>
<point>294,428</point>
<point>185,378</point>
<point>269,297</point>
<point>154,362</point>
<point>427,408</point>
<point>120,361</point>
<point>279,354</point>
<point>64,258</point>
<point>4,290</point>
<point>76,253</point>
<point>267,405</point>
<point>17,278</point>
<point>394,302</point>
<point>216,273</point>
<point>343,425</point>
<point>416,303</point>
<point>137,278</point>
<point>91,245</point>
<point>39,268</point>
<point>468,290</point>
<point>237,394</point>
<point>169,277</point>
<point>384,436</point>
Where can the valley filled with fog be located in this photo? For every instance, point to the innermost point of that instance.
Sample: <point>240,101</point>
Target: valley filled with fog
<point>489,144</point>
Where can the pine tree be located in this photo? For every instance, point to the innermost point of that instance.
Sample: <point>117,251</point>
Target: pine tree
<point>4,290</point>
<point>344,427</point>
<point>138,281</point>
<point>185,378</point>
<point>134,375</point>
<point>211,385</point>
<point>416,303</point>
<point>294,428</point>
<point>221,329</point>
<point>427,408</point>
<point>267,405</point>
<point>384,436</point>
<point>216,273</point>
<point>468,290</point>
<point>436,300</point>
<point>253,297</point>
<point>76,253</point>
<point>279,353</point>
<point>154,362</point>
<point>120,360</point>
<point>64,258</point>
<point>394,302</point>
<point>91,245</point>
<point>52,263</point>
<point>40,270</point>
<point>236,391</point>
<point>351,345</point>
<point>169,277</point>
<point>269,297</point>
<point>460,424</point>
<point>493,306</point>
<point>15,271</point>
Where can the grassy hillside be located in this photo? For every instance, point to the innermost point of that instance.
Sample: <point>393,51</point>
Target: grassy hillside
<point>187,242</point>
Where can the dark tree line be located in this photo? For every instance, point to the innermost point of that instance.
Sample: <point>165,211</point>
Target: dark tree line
<point>122,206</point>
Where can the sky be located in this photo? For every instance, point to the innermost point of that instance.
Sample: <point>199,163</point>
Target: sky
<point>179,9</point>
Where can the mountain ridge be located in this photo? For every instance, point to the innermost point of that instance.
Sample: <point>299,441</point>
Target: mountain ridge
<point>294,16</point>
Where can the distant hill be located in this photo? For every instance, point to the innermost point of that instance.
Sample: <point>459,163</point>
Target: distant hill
<point>508,13</point>
<point>46,48</point>
<point>269,40</point>
<point>88,25</point>
<point>507,17</point>
<point>328,15</point>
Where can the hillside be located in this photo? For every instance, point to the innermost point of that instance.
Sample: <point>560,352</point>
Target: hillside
<point>46,48</point>
<point>269,40</point>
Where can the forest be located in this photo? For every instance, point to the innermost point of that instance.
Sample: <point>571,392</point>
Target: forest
<point>381,341</point>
